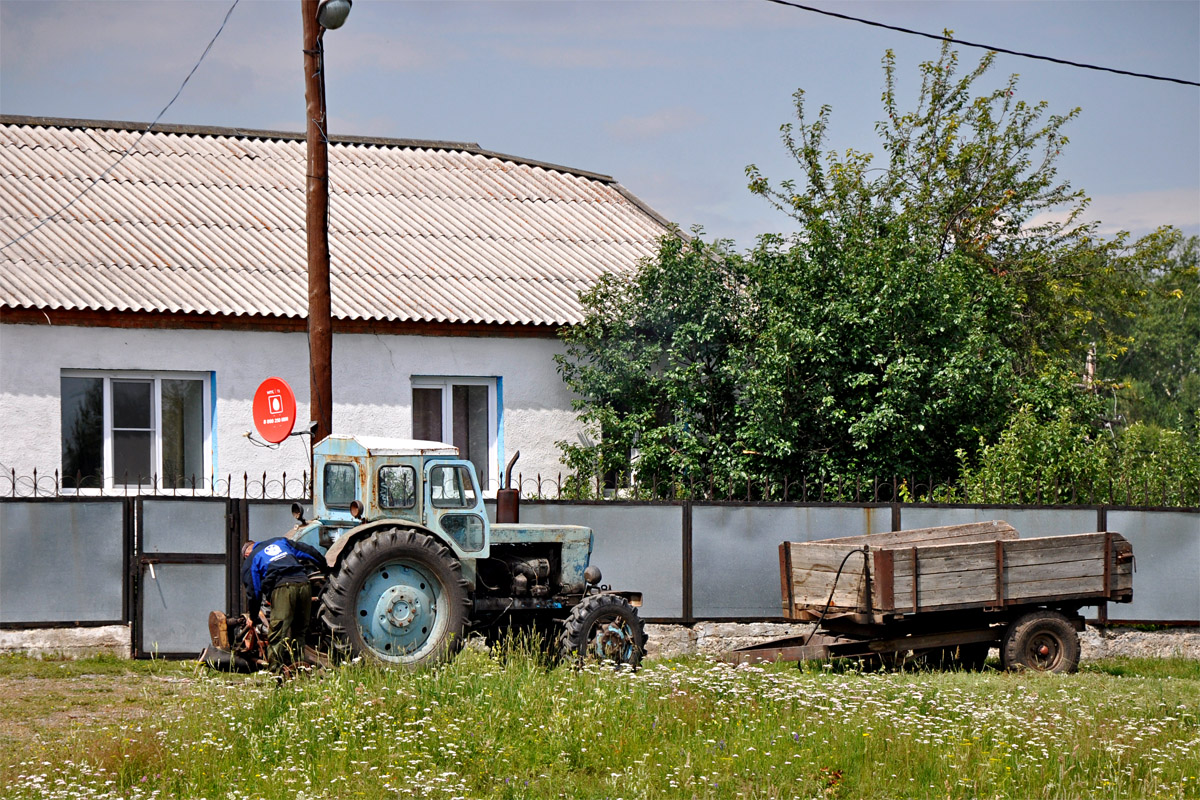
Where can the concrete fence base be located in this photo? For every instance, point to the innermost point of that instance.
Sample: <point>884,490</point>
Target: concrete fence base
<point>109,640</point>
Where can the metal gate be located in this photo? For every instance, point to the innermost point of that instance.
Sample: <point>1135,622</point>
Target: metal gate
<point>185,568</point>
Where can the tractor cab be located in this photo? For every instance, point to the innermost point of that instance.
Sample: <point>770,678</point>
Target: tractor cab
<point>362,479</point>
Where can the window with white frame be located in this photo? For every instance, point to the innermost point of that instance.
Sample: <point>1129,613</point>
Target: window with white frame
<point>463,412</point>
<point>135,428</point>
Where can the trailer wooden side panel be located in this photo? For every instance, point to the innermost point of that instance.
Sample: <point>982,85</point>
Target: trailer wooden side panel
<point>945,534</point>
<point>814,572</point>
<point>907,574</point>
<point>1015,571</point>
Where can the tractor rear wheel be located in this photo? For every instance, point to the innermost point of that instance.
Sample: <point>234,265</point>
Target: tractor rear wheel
<point>604,627</point>
<point>398,597</point>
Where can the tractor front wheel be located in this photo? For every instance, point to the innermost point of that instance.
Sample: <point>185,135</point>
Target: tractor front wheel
<point>398,597</point>
<point>604,627</point>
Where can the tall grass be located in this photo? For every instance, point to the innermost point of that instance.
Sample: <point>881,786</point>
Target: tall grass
<point>508,726</point>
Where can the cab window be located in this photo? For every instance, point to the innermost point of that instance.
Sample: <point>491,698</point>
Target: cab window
<point>451,487</point>
<point>397,487</point>
<point>339,485</point>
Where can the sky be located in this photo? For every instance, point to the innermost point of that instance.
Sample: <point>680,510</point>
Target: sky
<point>674,99</point>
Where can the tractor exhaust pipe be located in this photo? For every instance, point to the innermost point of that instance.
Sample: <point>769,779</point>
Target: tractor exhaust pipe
<point>508,500</point>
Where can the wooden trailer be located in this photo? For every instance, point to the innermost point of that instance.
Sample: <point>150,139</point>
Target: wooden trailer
<point>945,596</point>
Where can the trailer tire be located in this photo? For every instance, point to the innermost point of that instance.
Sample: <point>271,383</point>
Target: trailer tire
<point>399,598</point>
<point>603,627</point>
<point>1040,641</point>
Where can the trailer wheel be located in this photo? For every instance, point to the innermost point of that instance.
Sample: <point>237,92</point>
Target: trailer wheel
<point>603,627</point>
<point>398,597</point>
<point>1041,641</point>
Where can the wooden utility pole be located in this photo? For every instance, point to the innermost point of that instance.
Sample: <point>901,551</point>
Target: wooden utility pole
<point>320,325</point>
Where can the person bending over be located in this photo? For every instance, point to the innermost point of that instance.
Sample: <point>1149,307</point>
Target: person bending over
<point>278,569</point>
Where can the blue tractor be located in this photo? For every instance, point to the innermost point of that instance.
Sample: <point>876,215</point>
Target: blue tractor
<point>415,564</point>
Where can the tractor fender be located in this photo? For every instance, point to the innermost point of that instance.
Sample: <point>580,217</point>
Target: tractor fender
<point>334,553</point>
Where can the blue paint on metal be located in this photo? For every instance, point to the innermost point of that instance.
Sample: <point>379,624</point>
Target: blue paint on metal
<point>453,508</point>
<point>500,461</point>
<point>399,611</point>
<point>575,542</point>
<point>310,535</point>
<point>212,421</point>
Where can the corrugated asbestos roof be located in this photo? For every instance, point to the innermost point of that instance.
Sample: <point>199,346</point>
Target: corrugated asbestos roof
<point>212,221</point>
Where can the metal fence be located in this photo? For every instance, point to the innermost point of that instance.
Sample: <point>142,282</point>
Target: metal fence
<point>65,563</point>
<point>1162,491</point>
<point>258,486</point>
<point>163,562</point>
<point>719,561</point>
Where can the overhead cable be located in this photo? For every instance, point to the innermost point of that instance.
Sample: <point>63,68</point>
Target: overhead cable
<point>136,141</point>
<point>964,43</point>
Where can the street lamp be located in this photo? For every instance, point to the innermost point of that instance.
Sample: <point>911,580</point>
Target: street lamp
<point>333,13</point>
<point>318,15</point>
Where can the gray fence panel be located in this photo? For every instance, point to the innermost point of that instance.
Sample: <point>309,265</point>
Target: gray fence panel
<point>736,551</point>
<point>268,520</point>
<point>1166,551</point>
<point>62,561</point>
<point>176,601</point>
<point>1029,522</point>
<point>637,548</point>
<point>184,526</point>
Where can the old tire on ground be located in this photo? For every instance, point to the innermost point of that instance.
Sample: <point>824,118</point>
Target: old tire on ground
<point>398,597</point>
<point>603,627</point>
<point>1040,641</point>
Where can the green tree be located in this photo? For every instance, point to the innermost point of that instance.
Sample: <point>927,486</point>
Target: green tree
<point>920,305</point>
<point>1061,460</point>
<point>864,361</point>
<point>974,174</point>
<point>1036,460</point>
<point>1155,379</point>
<point>651,365</point>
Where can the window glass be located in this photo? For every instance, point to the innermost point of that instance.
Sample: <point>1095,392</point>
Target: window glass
<point>182,432</point>
<point>450,487</point>
<point>132,458</point>
<point>339,485</point>
<point>427,414</point>
<point>471,426</point>
<point>133,404</point>
<point>133,431</point>
<point>82,433</point>
<point>397,487</point>
<point>465,529</point>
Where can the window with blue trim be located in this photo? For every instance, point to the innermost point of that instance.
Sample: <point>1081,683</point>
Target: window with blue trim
<point>464,412</point>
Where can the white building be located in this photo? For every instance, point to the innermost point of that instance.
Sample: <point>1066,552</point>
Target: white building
<point>136,324</point>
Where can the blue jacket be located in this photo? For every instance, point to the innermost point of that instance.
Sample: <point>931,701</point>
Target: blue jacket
<point>274,562</point>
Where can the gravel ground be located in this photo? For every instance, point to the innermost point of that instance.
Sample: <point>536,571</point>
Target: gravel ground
<point>715,637</point>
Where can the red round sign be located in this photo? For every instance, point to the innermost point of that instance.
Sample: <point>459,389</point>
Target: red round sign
<point>274,410</point>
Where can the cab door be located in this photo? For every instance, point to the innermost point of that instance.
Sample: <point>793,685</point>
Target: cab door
<point>454,506</point>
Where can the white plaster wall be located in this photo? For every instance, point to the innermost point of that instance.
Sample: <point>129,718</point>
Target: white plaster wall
<point>371,386</point>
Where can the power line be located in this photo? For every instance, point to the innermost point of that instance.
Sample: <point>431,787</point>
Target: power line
<point>963,42</point>
<point>136,141</point>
